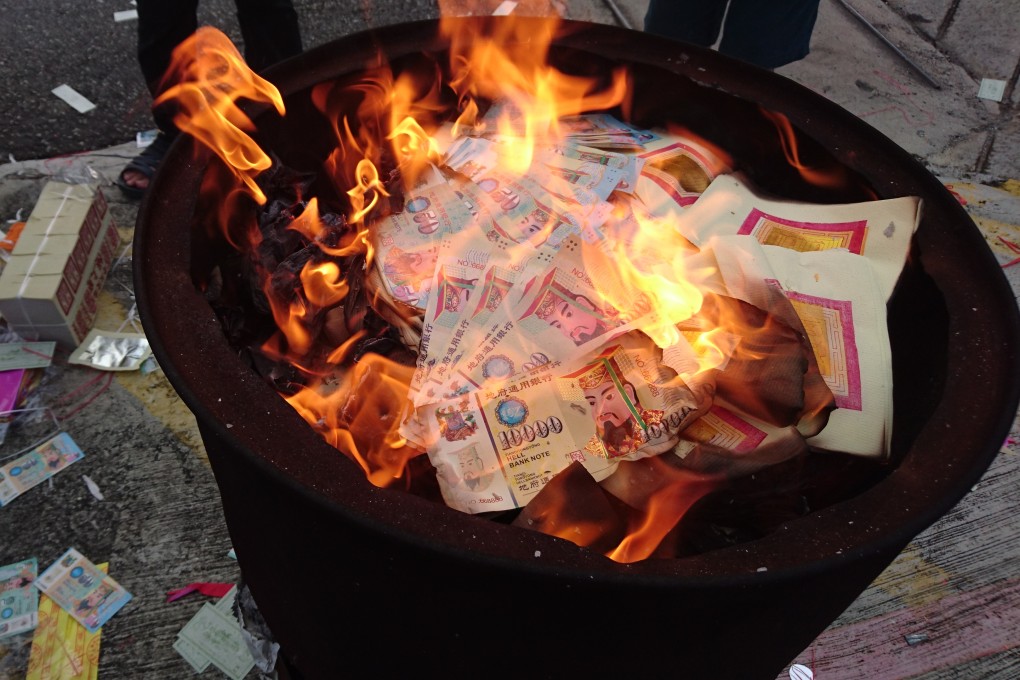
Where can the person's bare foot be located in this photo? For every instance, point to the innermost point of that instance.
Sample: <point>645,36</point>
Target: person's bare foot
<point>136,179</point>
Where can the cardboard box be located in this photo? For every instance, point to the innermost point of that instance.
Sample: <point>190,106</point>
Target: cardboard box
<point>50,287</point>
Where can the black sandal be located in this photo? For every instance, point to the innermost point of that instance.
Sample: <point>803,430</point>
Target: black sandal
<point>146,164</point>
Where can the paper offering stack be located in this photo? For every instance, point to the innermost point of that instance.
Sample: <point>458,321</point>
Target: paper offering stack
<point>559,323</point>
<point>49,288</point>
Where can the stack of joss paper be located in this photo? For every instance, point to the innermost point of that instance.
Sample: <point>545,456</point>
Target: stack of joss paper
<point>559,327</point>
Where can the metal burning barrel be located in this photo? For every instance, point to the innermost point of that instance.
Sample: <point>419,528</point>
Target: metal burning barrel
<point>355,579</point>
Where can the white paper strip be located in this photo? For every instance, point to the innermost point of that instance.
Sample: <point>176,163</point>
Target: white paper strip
<point>125,15</point>
<point>93,488</point>
<point>992,89</point>
<point>73,98</point>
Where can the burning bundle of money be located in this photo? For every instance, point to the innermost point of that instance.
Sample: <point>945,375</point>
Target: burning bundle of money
<point>594,311</point>
<point>602,322</point>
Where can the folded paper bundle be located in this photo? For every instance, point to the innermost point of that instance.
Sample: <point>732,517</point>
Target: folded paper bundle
<point>625,296</point>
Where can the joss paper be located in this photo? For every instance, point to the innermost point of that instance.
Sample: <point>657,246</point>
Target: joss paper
<point>19,601</point>
<point>407,243</point>
<point>83,590</point>
<point>841,305</point>
<point>189,650</point>
<point>61,648</point>
<point>36,466</point>
<point>15,355</point>
<point>878,231</point>
<point>214,635</point>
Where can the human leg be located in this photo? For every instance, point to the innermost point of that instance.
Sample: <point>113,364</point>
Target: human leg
<point>162,26</point>
<point>769,34</point>
<point>270,31</point>
<point>693,21</point>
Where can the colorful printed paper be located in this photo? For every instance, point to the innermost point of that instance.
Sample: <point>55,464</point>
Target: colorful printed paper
<point>62,649</point>
<point>880,231</point>
<point>19,601</point>
<point>83,590</point>
<point>36,466</point>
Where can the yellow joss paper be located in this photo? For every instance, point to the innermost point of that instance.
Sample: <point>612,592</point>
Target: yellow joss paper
<point>62,648</point>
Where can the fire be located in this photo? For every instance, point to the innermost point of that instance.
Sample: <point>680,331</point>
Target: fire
<point>210,77</point>
<point>511,64</point>
<point>329,311</point>
<point>829,178</point>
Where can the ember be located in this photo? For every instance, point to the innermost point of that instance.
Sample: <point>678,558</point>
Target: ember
<point>592,321</point>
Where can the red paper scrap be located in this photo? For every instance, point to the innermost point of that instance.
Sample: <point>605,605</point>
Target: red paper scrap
<point>210,589</point>
<point>1015,248</point>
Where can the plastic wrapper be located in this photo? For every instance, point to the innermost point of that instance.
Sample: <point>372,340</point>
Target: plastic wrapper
<point>108,351</point>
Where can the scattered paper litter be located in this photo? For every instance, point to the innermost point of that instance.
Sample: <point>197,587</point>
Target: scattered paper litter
<point>81,588</point>
<point>801,672</point>
<point>144,138</point>
<point>36,466</point>
<point>19,605</point>
<point>60,645</point>
<point>93,488</point>
<point>73,98</point>
<point>504,9</point>
<point>914,639</point>
<point>214,636</point>
<point>205,588</point>
<point>17,355</point>
<point>992,89</point>
<point>125,15</point>
<point>109,351</point>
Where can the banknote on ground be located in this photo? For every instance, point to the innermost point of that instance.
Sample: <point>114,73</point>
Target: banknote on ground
<point>81,588</point>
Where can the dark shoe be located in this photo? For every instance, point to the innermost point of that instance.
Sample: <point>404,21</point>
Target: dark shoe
<point>145,164</point>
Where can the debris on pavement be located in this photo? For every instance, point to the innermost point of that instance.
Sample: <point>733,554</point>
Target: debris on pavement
<point>73,98</point>
<point>61,648</point>
<point>36,466</point>
<point>19,601</point>
<point>83,590</point>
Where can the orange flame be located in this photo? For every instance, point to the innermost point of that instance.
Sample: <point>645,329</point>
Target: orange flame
<point>210,77</point>
<point>360,415</point>
<point>831,179</point>
<point>384,128</point>
<point>512,65</point>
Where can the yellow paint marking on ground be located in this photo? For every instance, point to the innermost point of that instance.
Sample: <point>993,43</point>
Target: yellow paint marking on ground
<point>914,580</point>
<point>1012,186</point>
<point>153,391</point>
<point>993,229</point>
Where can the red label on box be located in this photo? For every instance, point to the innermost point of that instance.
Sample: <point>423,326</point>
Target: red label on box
<point>65,296</point>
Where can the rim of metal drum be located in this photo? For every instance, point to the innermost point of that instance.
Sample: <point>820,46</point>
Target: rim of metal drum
<point>217,387</point>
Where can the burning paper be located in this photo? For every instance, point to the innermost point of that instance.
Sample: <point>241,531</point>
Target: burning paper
<point>495,448</point>
<point>837,298</point>
<point>879,231</point>
<point>587,305</point>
